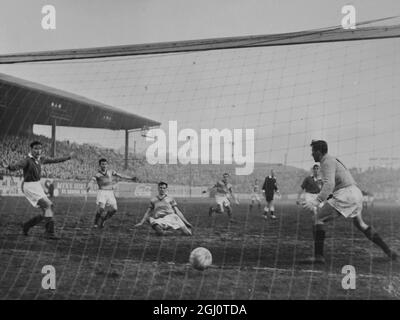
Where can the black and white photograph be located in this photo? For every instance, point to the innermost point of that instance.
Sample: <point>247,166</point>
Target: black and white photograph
<point>171,150</point>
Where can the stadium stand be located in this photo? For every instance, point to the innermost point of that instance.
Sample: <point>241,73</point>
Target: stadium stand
<point>14,148</point>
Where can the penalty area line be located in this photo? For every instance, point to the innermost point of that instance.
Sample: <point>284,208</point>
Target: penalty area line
<point>271,269</point>
<point>361,275</point>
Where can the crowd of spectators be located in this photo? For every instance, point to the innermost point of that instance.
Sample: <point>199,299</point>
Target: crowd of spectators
<point>379,181</point>
<point>15,148</point>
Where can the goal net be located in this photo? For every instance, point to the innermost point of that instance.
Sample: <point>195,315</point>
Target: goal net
<point>344,92</point>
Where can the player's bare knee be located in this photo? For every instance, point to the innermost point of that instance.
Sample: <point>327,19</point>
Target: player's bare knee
<point>359,223</point>
<point>356,223</point>
<point>316,220</point>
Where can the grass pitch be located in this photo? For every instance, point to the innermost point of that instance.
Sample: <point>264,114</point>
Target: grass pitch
<point>252,259</point>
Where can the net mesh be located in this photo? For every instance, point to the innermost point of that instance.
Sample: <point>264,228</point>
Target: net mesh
<point>344,92</point>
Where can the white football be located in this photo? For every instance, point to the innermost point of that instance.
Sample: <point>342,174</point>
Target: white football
<point>200,258</point>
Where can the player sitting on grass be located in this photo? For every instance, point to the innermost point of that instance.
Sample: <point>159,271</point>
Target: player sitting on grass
<point>346,200</point>
<point>33,190</point>
<point>223,189</point>
<point>163,214</point>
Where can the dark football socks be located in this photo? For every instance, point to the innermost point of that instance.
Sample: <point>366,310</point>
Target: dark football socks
<point>158,229</point>
<point>49,225</point>
<point>375,238</point>
<point>97,218</point>
<point>319,238</point>
<point>110,214</point>
<point>31,223</point>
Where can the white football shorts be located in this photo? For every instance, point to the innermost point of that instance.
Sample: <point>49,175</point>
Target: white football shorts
<point>309,196</point>
<point>33,191</point>
<point>222,201</point>
<point>107,197</point>
<point>348,201</point>
<point>170,221</point>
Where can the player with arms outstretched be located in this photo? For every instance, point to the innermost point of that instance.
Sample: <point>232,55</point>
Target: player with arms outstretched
<point>33,190</point>
<point>339,196</point>
<point>223,190</point>
<point>105,180</point>
<point>255,196</point>
<point>164,215</point>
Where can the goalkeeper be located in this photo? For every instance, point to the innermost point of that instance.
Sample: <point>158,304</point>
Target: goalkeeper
<point>346,200</point>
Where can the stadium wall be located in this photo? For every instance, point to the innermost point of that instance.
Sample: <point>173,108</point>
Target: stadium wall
<point>11,186</point>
